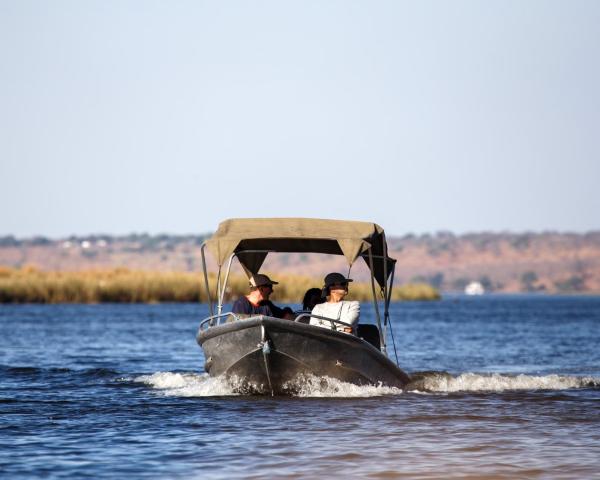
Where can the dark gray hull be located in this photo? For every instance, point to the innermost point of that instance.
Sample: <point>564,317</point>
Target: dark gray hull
<point>269,355</point>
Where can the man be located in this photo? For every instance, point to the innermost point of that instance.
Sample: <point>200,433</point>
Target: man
<point>257,301</point>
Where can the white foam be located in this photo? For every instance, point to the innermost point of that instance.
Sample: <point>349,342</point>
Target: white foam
<point>188,384</point>
<point>472,382</point>
<point>312,386</point>
<point>202,385</point>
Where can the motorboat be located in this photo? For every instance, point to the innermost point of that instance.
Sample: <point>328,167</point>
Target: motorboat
<point>267,355</point>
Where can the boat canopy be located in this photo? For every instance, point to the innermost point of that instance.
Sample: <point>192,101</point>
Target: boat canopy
<point>252,238</point>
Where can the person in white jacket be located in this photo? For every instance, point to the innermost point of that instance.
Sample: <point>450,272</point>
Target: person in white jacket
<point>335,289</point>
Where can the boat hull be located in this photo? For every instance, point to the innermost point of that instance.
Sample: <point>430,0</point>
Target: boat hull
<point>269,355</point>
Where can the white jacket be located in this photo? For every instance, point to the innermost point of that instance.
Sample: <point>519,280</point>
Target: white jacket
<point>345,311</point>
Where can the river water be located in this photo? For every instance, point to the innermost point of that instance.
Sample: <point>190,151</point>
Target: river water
<point>115,391</point>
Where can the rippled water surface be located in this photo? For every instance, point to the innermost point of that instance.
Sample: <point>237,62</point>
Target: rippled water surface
<point>108,391</point>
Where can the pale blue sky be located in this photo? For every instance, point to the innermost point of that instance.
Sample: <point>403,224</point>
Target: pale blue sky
<point>122,116</point>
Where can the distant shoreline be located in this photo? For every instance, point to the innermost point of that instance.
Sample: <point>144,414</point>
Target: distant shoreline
<point>501,262</point>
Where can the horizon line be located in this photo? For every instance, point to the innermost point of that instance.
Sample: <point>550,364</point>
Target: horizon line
<point>437,233</point>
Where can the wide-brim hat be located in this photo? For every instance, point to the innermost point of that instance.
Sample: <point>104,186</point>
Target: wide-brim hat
<point>260,280</point>
<point>335,277</point>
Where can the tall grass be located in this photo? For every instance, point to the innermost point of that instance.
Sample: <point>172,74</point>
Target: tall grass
<point>29,285</point>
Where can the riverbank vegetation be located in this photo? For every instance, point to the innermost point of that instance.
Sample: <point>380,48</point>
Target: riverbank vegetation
<point>120,285</point>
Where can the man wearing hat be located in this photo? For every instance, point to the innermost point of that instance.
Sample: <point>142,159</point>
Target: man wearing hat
<point>257,301</point>
<point>335,288</point>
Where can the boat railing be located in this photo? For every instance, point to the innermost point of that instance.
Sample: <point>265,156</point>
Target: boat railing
<point>332,321</point>
<point>215,320</point>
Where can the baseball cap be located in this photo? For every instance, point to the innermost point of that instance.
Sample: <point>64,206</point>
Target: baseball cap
<point>259,280</point>
<point>335,277</point>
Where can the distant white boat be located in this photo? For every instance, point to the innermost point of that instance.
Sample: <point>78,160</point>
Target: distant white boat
<point>474,288</point>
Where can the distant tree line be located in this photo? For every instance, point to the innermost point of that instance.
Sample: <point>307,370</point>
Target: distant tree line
<point>446,242</point>
<point>436,243</point>
<point>144,240</point>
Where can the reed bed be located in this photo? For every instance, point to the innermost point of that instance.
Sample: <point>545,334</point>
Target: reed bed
<point>120,285</point>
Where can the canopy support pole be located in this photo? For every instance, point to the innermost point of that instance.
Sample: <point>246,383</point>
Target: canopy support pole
<point>210,305</point>
<point>226,278</point>
<point>387,319</point>
<point>375,304</point>
<point>389,298</point>
<point>386,289</point>
<point>219,306</point>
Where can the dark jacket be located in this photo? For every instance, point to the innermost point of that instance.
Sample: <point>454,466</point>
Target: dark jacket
<point>266,307</point>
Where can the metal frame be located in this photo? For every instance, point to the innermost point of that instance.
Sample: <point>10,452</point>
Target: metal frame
<point>331,320</point>
<point>210,320</point>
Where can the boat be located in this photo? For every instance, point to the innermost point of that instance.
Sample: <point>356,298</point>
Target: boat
<point>474,288</point>
<point>266,355</point>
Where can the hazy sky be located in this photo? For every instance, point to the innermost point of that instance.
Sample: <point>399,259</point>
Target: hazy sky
<point>123,116</point>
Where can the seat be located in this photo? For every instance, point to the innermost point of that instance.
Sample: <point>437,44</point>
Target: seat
<point>369,333</point>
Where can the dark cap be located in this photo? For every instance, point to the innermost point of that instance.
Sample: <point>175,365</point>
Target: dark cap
<point>260,280</point>
<point>335,277</point>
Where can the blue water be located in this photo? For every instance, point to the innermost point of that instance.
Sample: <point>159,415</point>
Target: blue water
<point>107,391</point>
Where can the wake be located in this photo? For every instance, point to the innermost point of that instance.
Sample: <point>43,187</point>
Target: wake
<point>202,385</point>
<point>442,382</point>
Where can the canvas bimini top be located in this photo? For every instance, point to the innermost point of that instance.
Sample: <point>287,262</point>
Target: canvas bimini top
<point>252,238</point>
